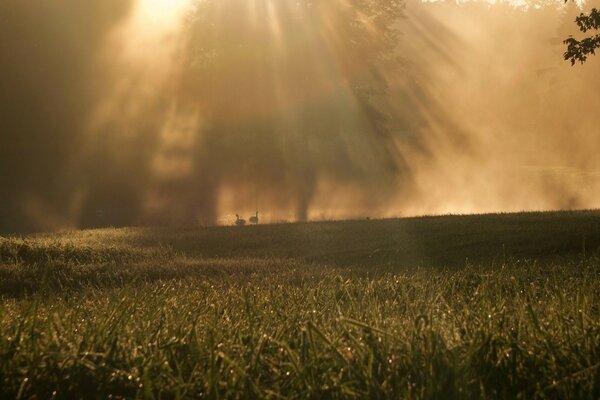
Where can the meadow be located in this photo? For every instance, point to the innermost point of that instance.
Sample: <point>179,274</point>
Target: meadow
<point>488,306</point>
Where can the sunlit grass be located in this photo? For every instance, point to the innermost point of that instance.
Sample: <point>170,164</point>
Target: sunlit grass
<point>181,314</point>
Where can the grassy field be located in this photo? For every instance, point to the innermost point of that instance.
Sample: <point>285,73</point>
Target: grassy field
<point>493,306</point>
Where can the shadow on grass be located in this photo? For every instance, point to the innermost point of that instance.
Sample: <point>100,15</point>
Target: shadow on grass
<point>436,241</point>
<point>118,257</point>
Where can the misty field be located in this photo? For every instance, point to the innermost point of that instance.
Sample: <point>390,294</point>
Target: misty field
<point>493,306</point>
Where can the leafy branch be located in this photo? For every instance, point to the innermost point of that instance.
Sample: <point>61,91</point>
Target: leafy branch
<point>579,50</point>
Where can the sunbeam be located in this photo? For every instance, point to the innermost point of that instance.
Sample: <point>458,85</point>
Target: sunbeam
<point>192,111</point>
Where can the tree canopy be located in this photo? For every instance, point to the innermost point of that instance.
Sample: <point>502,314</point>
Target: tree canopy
<point>292,91</point>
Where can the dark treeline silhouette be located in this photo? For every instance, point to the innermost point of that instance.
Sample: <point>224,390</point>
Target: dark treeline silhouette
<point>51,82</point>
<point>293,93</point>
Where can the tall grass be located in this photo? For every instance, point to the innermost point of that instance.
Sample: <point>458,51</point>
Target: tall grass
<point>109,318</point>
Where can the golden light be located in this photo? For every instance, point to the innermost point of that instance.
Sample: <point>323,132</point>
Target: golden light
<point>161,11</point>
<point>153,24</point>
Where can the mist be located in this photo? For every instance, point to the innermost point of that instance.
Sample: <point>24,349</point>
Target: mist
<point>117,113</point>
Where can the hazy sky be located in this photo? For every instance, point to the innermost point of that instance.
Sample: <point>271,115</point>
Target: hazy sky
<point>116,112</point>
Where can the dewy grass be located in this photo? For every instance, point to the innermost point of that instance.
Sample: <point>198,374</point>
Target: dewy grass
<point>158,319</point>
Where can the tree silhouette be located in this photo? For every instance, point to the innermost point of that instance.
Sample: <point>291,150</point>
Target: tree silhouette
<point>579,50</point>
<point>290,92</point>
<point>49,78</point>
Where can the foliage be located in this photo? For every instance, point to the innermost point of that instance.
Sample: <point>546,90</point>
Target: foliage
<point>579,50</point>
<point>323,310</point>
<point>291,89</point>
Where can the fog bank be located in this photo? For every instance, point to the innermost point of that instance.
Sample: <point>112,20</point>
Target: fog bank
<point>185,113</point>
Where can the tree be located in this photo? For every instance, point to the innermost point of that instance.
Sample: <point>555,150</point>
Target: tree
<point>49,74</point>
<point>579,50</point>
<point>290,92</point>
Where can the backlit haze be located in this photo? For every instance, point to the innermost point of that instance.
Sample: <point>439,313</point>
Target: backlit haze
<point>186,112</point>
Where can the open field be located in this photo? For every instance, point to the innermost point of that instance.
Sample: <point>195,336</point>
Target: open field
<point>493,306</point>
